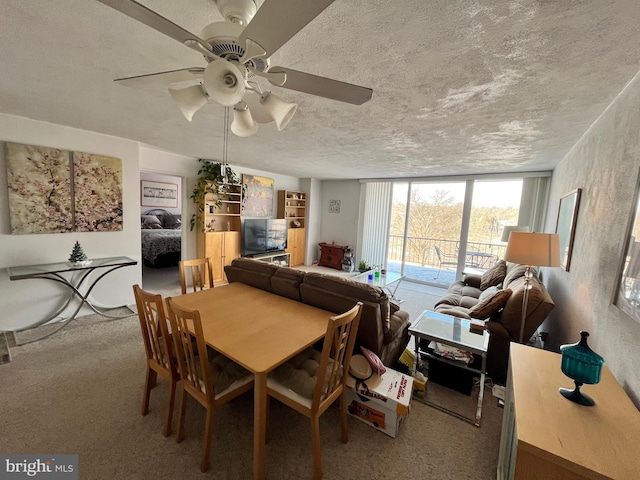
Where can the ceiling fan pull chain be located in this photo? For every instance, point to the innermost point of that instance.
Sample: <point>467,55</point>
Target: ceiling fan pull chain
<point>225,143</point>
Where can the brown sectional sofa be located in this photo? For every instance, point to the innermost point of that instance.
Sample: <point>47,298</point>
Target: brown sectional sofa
<point>384,328</point>
<point>504,326</point>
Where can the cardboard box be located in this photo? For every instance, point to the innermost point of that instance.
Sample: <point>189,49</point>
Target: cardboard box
<point>385,405</point>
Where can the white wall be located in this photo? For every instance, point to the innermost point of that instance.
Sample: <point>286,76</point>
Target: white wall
<point>340,228</point>
<point>25,301</point>
<point>605,164</point>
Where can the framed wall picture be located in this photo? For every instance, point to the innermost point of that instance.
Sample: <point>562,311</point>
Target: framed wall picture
<point>158,194</point>
<point>258,196</point>
<point>566,225</point>
<point>627,292</point>
<point>83,190</point>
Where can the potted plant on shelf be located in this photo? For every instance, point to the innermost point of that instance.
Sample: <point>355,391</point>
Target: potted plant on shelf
<point>363,266</point>
<point>210,180</point>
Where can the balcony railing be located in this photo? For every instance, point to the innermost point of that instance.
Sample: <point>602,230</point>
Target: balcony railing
<point>420,252</point>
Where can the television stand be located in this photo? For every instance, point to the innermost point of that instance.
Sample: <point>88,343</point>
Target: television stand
<point>279,258</point>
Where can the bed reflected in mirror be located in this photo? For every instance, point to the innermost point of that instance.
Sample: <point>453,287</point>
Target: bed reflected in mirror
<point>628,289</point>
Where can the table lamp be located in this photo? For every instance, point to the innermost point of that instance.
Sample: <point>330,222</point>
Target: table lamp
<point>532,250</point>
<point>583,365</point>
<point>506,231</point>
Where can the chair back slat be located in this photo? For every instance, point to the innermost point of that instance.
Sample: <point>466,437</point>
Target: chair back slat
<point>201,274</point>
<point>191,351</point>
<point>336,353</point>
<point>155,331</point>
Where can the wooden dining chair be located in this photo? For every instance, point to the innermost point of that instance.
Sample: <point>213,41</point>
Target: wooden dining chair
<point>201,274</point>
<point>330,379</point>
<point>159,348</point>
<point>211,382</point>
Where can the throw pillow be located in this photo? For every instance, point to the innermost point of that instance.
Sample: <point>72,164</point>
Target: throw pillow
<point>375,362</point>
<point>494,276</point>
<point>490,305</point>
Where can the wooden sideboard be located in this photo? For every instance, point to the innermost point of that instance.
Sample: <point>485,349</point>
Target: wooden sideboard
<point>544,435</point>
<point>331,255</point>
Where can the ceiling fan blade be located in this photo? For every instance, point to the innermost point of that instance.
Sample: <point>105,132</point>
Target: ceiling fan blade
<point>139,12</point>
<point>277,21</point>
<point>324,87</point>
<point>191,75</point>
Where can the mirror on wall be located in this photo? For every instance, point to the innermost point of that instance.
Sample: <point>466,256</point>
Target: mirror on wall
<point>628,289</point>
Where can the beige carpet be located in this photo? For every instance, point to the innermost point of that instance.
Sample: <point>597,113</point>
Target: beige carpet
<point>79,392</point>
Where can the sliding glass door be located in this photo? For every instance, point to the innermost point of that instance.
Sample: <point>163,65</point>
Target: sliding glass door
<point>439,229</point>
<point>425,230</point>
<point>495,204</point>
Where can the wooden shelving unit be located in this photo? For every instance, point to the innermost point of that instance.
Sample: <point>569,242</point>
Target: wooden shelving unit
<point>292,206</point>
<point>219,234</point>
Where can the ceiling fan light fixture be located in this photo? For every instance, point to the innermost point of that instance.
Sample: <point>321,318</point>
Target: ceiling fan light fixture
<point>237,11</point>
<point>189,100</point>
<point>224,82</point>
<point>243,123</point>
<point>282,112</point>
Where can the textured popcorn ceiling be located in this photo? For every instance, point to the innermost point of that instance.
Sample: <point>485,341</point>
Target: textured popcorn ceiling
<point>459,86</point>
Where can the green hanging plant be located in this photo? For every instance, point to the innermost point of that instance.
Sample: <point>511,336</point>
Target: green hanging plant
<point>210,180</point>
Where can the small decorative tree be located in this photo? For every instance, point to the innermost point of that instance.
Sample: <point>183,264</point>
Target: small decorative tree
<point>77,254</point>
<point>210,180</point>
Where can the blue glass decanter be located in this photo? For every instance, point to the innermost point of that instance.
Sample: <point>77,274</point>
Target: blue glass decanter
<point>583,365</point>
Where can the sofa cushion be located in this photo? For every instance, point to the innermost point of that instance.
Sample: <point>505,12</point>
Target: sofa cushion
<point>286,282</point>
<point>539,305</point>
<point>488,293</point>
<point>514,271</point>
<point>494,276</point>
<point>490,305</point>
<point>251,272</point>
<point>339,295</point>
<point>473,280</point>
<point>459,312</point>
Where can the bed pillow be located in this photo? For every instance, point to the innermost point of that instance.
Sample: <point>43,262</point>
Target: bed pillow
<point>151,221</point>
<point>171,222</point>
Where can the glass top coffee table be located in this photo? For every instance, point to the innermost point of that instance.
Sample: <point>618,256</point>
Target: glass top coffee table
<point>456,332</point>
<point>382,281</point>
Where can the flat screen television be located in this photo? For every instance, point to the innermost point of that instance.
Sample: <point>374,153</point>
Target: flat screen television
<point>263,235</point>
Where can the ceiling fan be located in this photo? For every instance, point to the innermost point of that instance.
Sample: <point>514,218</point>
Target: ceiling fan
<point>237,52</point>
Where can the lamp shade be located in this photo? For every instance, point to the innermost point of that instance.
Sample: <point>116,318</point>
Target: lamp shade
<point>281,111</point>
<point>189,100</point>
<point>258,112</point>
<point>224,82</point>
<point>534,249</point>
<point>243,123</point>
<point>511,228</point>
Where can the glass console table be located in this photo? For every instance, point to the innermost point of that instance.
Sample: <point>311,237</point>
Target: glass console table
<point>382,281</point>
<point>76,278</point>
<point>454,331</point>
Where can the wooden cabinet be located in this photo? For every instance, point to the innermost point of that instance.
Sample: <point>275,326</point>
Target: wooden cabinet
<point>292,206</point>
<point>544,435</point>
<point>219,233</point>
<point>222,247</point>
<point>331,255</point>
<point>295,245</point>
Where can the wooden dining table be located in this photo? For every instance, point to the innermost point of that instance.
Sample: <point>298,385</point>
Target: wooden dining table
<point>260,331</point>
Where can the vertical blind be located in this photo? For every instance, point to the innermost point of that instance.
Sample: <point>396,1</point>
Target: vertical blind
<point>374,240</point>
